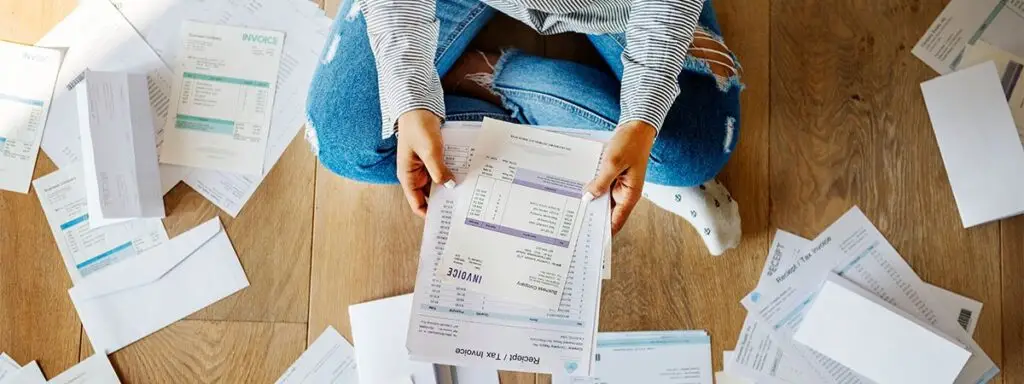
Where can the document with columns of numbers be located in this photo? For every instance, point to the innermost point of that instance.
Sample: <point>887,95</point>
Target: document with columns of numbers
<point>223,96</point>
<point>519,214</point>
<point>26,85</point>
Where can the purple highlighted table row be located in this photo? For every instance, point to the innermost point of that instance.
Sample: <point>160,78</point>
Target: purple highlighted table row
<point>517,233</point>
<point>548,183</point>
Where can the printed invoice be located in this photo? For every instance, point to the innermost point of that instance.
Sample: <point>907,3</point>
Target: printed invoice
<point>85,249</point>
<point>223,97</point>
<point>662,357</point>
<point>519,214</point>
<point>853,248</point>
<point>26,85</point>
<point>964,22</point>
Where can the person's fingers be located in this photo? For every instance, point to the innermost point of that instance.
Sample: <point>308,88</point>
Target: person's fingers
<point>431,153</point>
<point>610,169</point>
<point>625,195</point>
<point>412,181</point>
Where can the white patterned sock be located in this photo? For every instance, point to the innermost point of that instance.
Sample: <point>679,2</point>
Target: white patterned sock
<point>708,207</point>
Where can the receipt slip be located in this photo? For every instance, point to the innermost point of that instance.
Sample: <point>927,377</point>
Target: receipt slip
<point>27,77</point>
<point>877,340</point>
<point>520,213</point>
<point>979,143</point>
<point>28,374</point>
<point>138,297</point>
<point>223,96</point>
<point>965,22</point>
<point>94,370</point>
<point>329,360</point>
<point>119,161</point>
<point>379,333</point>
<point>661,357</point>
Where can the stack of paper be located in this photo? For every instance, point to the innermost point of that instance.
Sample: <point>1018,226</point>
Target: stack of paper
<point>771,349</point>
<point>457,326</point>
<point>26,84</point>
<point>329,360</point>
<point>666,357</point>
<point>94,370</point>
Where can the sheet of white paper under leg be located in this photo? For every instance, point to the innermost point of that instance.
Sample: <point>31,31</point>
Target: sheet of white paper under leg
<point>96,37</point>
<point>26,85</point>
<point>94,370</point>
<point>85,249</point>
<point>979,143</point>
<point>329,360</point>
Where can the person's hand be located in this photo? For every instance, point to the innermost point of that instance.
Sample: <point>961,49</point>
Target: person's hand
<point>623,169</point>
<point>420,157</point>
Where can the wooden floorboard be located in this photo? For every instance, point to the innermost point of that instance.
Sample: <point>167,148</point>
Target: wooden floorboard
<point>849,127</point>
<point>1012,253</point>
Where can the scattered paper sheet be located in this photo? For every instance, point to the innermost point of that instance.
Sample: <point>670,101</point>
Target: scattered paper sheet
<point>381,355</point>
<point>662,357</point>
<point>87,250</point>
<point>853,248</point>
<point>7,366</point>
<point>474,375</point>
<point>96,37</point>
<point>964,309</point>
<point>964,22</point>
<point>26,85</point>
<point>514,233</point>
<point>877,340</point>
<point>729,378</point>
<point>308,28</point>
<point>140,296</point>
<point>979,143</point>
<point>121,174</point>
<point>29,374</point>
<point>94,370</point>
<point>223,95</point>
<point>452,325</point>
<point>329,360</point>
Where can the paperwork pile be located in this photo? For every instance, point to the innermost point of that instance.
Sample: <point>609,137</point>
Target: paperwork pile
<point>847,308</point>
<point>977,106</point>
<point>94,370</point>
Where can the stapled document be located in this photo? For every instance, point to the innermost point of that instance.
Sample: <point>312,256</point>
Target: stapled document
<point>378,333</point>
<point>223,96</point>
<point>28,374</point>
<point>96,37</point>
<point>329,360</point>
<point>87,249</point>
<point>119,160</point>
<point>662,357</point>
<point>94,370</point>
<point>979,143</point>
<point>456,326</point>
<point>26,86</point>
<point>877,340</point>
<point>964,22</point>
<point>521,210</point>
<point>138,297</point>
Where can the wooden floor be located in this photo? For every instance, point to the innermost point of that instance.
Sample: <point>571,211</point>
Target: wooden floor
<point>832,117</point>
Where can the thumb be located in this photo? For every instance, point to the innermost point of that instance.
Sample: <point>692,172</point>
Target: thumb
<point>433,160</point>
<point>605,176</point>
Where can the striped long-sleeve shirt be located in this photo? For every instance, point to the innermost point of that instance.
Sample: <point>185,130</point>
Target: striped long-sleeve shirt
<point>403,36</point>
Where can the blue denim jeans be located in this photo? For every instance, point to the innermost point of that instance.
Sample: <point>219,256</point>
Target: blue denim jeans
<point>698,136</point>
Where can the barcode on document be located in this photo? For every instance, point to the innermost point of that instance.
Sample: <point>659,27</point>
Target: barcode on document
<point>965,318</point>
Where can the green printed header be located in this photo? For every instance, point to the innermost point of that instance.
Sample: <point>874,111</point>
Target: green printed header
<point>228,80</point>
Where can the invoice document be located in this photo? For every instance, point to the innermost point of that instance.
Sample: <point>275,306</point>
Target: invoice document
<point>664,357</point>
<point>28,374</point>
<point>877,340</point>
<point>27,77</point>
<point>7,366</point>
<point>964,22</point>
<point>222,98</point>
<point>455,326</point>
<point>96,37</point>
<point>119,161</point>
<point>94,370</point>
<point>979,143</point>
<point>87,249</point>
<point>329,360</point>
<point>159,22</point>
<point>520,212</point>
<point>135,298</point>
<point>381,355</point>
<point>853,248</point>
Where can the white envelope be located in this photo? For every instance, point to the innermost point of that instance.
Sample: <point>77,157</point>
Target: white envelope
<point>135,298</point>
